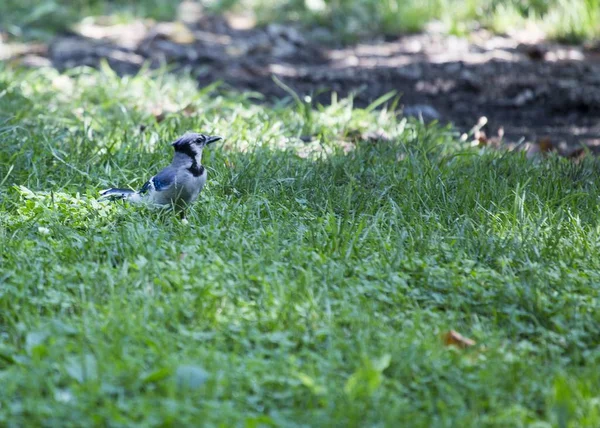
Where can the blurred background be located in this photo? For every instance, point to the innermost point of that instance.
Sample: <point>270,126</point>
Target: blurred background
<point>567,20</point>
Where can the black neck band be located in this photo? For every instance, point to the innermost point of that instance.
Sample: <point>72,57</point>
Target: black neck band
<point>196,169</point>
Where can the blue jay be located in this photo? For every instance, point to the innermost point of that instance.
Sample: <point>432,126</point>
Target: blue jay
<point>179,184</point>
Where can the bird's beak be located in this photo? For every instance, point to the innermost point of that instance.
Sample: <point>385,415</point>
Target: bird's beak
<point>213,139</point>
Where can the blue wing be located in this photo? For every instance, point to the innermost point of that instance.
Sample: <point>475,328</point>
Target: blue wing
<point>160,182</point>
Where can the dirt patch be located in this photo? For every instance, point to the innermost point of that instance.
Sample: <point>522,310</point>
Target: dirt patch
<point>535,91</point>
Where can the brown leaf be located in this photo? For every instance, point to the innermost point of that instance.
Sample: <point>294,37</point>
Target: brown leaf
<point>545,145</point>
<point>454,338</point>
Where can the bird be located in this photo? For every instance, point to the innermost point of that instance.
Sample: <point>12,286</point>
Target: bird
<point>177,185</point>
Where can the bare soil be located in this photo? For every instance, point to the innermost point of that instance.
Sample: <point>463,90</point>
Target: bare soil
<point>542,91</point>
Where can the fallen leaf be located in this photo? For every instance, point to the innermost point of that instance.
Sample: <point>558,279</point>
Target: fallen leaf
<point>454,338</point>
<point>545,145</point>
<point>542,147</point>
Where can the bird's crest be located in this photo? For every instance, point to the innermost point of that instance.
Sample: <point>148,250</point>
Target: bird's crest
<point>192,138</point>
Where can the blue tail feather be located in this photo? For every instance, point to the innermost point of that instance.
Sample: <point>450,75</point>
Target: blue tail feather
<point>115,193</point>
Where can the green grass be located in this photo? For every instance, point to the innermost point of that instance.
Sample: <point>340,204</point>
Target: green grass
<point>566,20</point>
<point>41,19</point>
<point>350,20</point>
<point>310,287</point>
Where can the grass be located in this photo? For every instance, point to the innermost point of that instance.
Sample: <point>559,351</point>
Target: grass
<point>34,19</point>
<point>567,20</point>
<point>311,285</point>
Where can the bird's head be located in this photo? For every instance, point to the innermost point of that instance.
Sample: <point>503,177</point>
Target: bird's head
<point>192,142</point>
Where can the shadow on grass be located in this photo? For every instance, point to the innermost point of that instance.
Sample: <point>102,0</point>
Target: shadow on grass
<point>543,91</point>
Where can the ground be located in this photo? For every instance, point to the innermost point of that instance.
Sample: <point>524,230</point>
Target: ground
<point>344,266</point>
<point>524,87</point>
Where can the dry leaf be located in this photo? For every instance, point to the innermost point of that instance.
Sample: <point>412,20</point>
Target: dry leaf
<point>454,338</point>
<point>545,145</point>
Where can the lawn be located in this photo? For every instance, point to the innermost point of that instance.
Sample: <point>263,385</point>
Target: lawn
<point>313,282</point>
